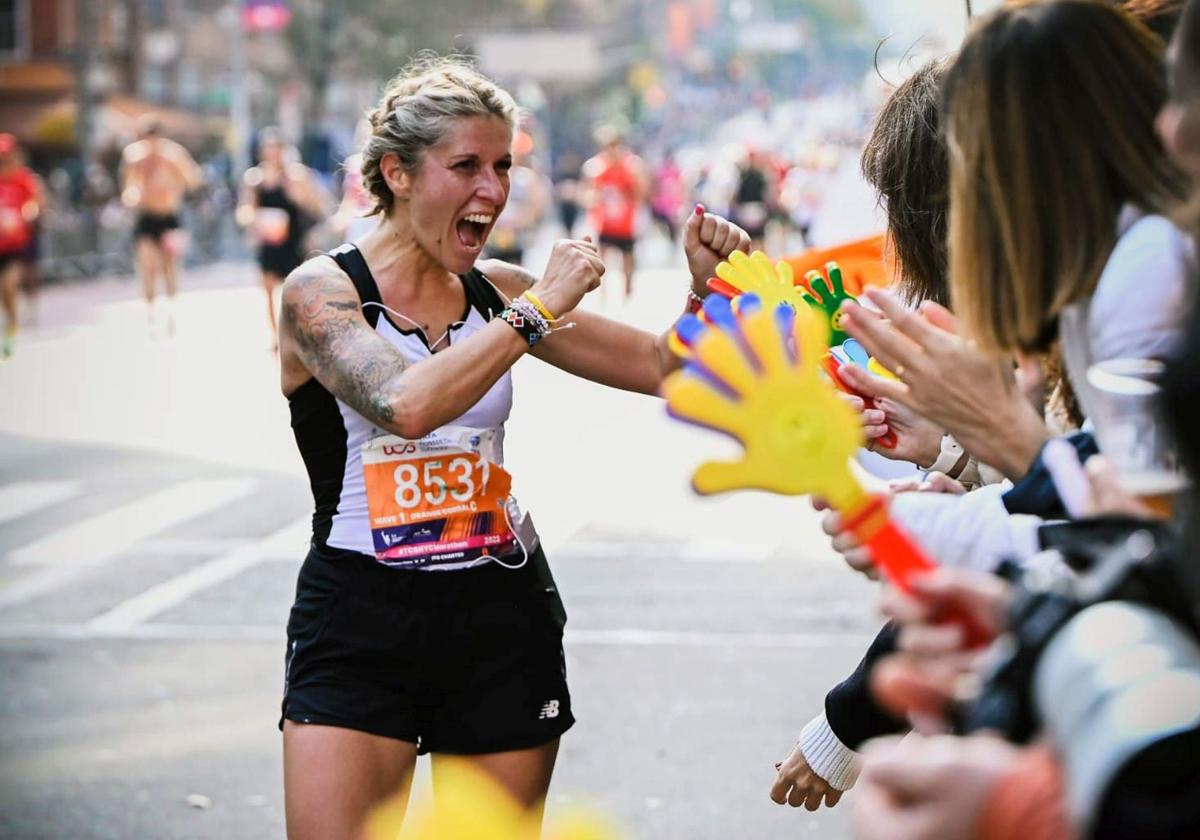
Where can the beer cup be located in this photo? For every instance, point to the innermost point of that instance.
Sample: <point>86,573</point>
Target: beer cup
<point>1132,434</point>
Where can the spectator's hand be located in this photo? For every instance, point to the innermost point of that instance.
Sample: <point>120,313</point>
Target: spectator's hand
<point>708,239</point>
<point>919,788</point>
<point>918,440</point>
<point>946,379</point>
<point>1107,498</point>
<point>798,784</point>
<point>920,681</point>
<point>847,544</point>
<point>873,420</point>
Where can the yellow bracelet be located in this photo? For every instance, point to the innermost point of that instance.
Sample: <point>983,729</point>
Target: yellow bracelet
<point>541,307</point>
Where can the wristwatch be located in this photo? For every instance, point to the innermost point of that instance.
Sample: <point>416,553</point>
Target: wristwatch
<point>951,460</point>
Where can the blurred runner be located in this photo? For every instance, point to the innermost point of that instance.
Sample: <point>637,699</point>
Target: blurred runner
<point>276,195</point>
<point>670,195</point>
<point>752,198</point>
<point>566,189</point>
<point>31,278</point>
<point>155,175</point>
<point>615,186</point>
<point>20,203</point>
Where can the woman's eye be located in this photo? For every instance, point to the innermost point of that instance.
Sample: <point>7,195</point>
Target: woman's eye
<point>465,164</point>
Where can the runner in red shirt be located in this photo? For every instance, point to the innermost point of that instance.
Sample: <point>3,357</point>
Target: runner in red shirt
<point>20,203</point>
<point>615,186</point>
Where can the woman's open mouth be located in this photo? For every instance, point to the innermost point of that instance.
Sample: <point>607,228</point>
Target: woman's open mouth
<point>472,229</point>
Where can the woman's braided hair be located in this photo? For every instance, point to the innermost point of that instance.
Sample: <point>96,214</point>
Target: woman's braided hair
<point>418,107</point>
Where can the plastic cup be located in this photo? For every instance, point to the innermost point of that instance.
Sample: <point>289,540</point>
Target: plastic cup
<point>1132,434</point>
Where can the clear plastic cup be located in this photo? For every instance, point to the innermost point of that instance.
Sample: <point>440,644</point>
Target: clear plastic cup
<point>1131,432</point>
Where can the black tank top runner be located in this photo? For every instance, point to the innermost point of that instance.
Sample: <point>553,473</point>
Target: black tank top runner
<point>316,419</point>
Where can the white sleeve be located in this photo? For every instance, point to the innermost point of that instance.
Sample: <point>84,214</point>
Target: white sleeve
<point>1141,299</point>
<point>828,757</point>
<point>971,531</point>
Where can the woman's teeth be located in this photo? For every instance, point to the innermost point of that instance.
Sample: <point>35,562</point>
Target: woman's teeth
<point>479,218</point>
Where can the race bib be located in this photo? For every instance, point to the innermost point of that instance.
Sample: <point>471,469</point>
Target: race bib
<point>440,499</point>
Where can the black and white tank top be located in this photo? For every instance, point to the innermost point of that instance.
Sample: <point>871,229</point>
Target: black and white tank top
<point>331,434</point>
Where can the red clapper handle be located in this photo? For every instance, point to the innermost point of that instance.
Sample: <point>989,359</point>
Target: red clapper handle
<point>725,290</point>
<point>888,439</point>
<point>900,559</point>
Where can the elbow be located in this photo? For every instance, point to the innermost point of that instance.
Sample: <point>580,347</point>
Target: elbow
<point>412,429</point>
<point>410,421</point>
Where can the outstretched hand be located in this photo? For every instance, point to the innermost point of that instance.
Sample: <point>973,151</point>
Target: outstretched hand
<point>756,377</point>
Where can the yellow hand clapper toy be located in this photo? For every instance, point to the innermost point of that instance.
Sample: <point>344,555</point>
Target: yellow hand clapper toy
<point>755,375</point>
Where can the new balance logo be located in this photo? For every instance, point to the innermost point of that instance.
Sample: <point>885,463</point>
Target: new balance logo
<point>549,710</point>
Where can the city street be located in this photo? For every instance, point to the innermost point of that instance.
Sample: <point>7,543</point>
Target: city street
<point>154,512</point>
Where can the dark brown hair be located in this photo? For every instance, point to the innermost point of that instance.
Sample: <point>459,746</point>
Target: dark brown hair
<point>905,161</point>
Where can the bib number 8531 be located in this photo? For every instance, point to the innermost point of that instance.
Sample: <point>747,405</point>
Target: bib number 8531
<point>430,485</point>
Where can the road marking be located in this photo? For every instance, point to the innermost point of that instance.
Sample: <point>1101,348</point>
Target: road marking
<point>171,547</point>
<point>24,497</point>
<point>176,547</point>
<point>162,597</point>
<point>91,542</point>
<point>691,551</point>
<point>624,637</point>
<point>101,537</point>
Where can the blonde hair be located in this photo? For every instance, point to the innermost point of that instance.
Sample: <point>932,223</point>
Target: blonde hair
<point>1050,108</point>
<point>418,108</point>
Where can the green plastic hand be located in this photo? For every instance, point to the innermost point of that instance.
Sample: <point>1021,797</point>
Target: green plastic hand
<point>756,275</point>
<point>798,435</point>
<point>829,300</point>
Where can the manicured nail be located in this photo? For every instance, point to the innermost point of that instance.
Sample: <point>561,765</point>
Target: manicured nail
<point>699,209</point>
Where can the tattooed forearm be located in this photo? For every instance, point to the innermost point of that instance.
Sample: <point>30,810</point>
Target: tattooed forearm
<point>340,349</point>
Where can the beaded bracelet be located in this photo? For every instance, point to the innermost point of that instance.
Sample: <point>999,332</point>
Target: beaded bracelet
<point>524,317</point>
<point>541,307</point>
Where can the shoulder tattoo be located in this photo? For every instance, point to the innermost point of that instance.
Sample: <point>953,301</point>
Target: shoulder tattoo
<point>322,313</point>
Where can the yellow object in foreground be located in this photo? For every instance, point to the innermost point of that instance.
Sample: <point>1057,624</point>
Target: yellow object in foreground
<point>767,392</point>
<point>470,805</point>
<point>756,275</point>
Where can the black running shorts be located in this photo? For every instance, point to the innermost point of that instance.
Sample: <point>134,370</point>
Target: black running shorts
<point>154,225</point>
<point>622,243</point>
<point>464,662</point>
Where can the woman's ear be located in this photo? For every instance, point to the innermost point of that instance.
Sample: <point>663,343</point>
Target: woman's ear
<point>395,175</point>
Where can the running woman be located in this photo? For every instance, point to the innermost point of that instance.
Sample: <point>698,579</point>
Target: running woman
<point>275,196</point>
<point>426,619</point>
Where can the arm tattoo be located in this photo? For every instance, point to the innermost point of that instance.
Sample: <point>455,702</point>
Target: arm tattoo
<point>323,314</point>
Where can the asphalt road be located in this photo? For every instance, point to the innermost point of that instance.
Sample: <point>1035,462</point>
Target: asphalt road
<point>152,516</point>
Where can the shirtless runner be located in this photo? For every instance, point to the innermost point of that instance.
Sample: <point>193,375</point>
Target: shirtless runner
<point>155,174</point>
